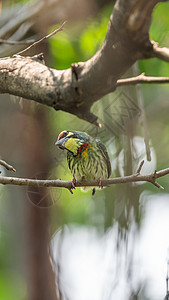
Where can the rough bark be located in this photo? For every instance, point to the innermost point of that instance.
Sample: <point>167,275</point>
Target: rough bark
<point>75,90</point>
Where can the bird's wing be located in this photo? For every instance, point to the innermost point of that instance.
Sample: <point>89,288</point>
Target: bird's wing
<point>105,155</point>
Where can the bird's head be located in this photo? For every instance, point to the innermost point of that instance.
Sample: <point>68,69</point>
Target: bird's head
<point>73,141</point>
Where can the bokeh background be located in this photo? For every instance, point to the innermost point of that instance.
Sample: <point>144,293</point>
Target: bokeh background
<point>113,245</point>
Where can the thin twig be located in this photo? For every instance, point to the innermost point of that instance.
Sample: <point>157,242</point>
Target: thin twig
<point>42,39</point>
<point>68,184</point>
<point>140,167</point>
<point>7,166</point>
<point>158,185</point>
<point>142,78</point>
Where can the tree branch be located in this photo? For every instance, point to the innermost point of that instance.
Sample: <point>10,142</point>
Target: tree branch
<point>42,39</point>
<point>160,52</point>
<point>7,166</point>
<point>142,78</point>
<point>68,184</point>
<point>76,89</point>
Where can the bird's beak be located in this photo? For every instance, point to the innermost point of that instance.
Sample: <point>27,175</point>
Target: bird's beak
<point>61,143</point>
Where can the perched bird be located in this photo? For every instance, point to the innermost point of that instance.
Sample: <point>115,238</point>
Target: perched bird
<point>87,157</point>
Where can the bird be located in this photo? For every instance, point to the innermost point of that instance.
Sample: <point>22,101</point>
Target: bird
<point>87,157</point>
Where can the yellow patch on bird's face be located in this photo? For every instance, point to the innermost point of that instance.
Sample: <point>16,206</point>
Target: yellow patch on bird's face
<point>72,145</point>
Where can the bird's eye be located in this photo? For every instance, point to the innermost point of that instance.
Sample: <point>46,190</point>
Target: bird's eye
<point>62,135</point>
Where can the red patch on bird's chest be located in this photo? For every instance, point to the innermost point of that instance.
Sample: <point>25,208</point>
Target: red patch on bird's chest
<point>82,148</point>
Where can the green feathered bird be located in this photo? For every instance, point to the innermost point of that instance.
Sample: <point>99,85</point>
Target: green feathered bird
<point>87,157</point>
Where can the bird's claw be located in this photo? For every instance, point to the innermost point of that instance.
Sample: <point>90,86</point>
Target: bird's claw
<point>73,183</point>
<point>100,182</point>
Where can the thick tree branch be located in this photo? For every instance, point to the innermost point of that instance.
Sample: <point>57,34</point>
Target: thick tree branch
<point>75,90</point>
<point>68,184</point>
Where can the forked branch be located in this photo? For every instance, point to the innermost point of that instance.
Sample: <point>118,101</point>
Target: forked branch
<point>74,90</point>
